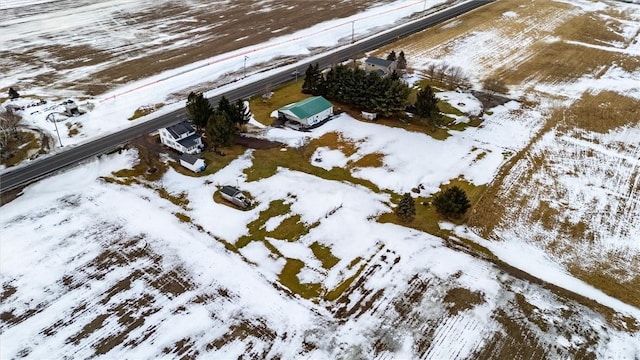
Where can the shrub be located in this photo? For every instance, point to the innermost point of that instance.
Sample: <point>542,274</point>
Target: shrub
<point>406,210</point>
<point>452,203</point>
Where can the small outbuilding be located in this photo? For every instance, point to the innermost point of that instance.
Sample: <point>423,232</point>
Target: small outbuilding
<point>235,196</point>
<point>307,112</point>
<point>192,163</point>
<point>368,116</point>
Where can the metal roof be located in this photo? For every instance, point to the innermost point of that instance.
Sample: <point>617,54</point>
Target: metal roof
<point>377,61</point>
<point>190,141</point>
<point>189,158</point>
<point>307,107</point>
<point>230,190</point>
<point>180,129</point>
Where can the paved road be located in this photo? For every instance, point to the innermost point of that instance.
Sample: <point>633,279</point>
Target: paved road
<point>14,178</point>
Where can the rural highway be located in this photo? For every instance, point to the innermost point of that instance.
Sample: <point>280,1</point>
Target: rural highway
<point>14,178</point>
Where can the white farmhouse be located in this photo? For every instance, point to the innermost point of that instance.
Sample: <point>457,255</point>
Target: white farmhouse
<point>192,163</point>
<point>307,112</point>
<point>182,137</point>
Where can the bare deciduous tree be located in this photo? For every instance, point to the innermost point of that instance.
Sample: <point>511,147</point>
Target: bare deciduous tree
<point>494,85</point>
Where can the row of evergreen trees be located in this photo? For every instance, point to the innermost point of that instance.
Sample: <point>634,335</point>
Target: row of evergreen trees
<point>452,203</point>
<point>354,86</point>
<point>222,123</point>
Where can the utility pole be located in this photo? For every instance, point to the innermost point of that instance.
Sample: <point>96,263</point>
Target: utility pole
<point>244,69</point>
<point>52,118</point>
<point>352,30</point>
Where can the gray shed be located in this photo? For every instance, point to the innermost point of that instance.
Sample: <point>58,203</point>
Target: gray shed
<point>235,196</point>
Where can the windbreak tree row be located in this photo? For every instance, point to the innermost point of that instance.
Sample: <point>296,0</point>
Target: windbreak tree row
<point>354,86</point>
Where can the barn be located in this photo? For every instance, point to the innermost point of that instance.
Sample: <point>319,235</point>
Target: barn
<point>307,112</point>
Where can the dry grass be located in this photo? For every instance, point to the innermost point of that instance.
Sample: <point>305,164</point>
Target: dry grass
<point>600,112</point>
<point>369,160</point>
<point>460,299</point>
<point>591,29</point>
<point>334,141</point>
<point>606,276</point>
<point>145,110</point>
<point>560,61</point>
<point>19,148</point>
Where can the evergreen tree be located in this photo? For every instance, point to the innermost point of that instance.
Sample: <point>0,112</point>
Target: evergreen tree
<point>220,129</point>
<point>394,75</point>
<point>13,94</point>
<point>366,90</point>
<point>313,80</point>
<point>406,210</point>
<point>241,115</point>
<point>401,64</point>
<point>198,109</point>
<point>452,203</point>
<point>426,106</point>
<point>225,107</point>
<point>392,56</point>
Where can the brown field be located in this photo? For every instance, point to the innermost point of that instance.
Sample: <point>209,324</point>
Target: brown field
<point>529,46</point>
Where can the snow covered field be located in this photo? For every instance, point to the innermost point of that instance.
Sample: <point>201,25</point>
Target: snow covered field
<point>572,195</point>
<point>142,269</point>
<point>121,284</point>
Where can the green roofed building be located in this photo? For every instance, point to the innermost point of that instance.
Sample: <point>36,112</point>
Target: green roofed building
<point>307,112</point>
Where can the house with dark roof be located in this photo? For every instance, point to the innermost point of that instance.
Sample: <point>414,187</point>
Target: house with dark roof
<point>307,112</point>
<point>381,66</point>
<point>192,163</point>
<point>182,137</point>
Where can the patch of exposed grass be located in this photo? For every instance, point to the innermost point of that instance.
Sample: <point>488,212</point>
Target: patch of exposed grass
<point>447,108</point>
<point>266,163</point>
<point>427,217</point>
<point>285,95</point>
<point>289,278</point>
<point>374,160</point>
<point>334,141</point>
<point>145,110</point>
<point>460,299</point>
<point>213,161</point>
<point>324,254</point>
<point>150,167</point>
<point>256,230</point>
<point>180,200</point>
<point>290,229</point>
<point>73,129</point>
<point>19,148</point>
<point>344,285</point>
<point>183,217</point>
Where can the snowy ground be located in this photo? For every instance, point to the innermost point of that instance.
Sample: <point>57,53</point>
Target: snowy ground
<point>125,285</point>
<point>572,196</point>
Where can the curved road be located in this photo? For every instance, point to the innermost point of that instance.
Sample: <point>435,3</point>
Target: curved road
<point>45,166</point>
